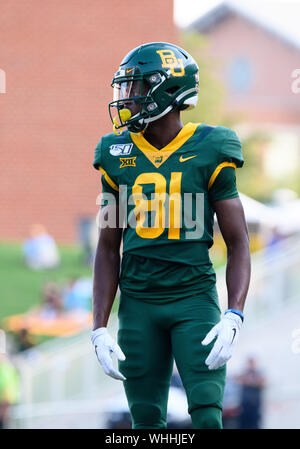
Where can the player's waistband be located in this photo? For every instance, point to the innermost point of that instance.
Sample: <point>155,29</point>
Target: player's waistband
<point>144,277</point>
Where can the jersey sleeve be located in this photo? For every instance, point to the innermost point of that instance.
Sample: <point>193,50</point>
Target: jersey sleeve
<point>222,181</point>
<point>232,149</point>
<point>97,159</point>
<point>224,187</point>
<point>109,195</point>
<point>110,190</point>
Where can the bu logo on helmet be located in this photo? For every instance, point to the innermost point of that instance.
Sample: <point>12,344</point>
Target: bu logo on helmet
<point>169,61</point>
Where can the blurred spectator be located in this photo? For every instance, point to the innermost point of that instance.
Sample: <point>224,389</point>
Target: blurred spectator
<point>9,388</point>
<point>77,294</point>
<point>272,244</point>
<point>40,250</point>
<point>252,384</point>
<point>23,340</point>
<point>52,304</point>
<point>231,404</point>
<point>88,237</point>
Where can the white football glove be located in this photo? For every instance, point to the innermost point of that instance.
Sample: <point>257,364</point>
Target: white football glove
<point>227,332</point>
<point>104,346</point>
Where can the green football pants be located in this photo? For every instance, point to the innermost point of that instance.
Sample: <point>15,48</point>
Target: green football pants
<point>152,335</point>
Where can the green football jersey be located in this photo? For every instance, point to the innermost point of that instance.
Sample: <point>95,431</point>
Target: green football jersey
<point>166,197</point>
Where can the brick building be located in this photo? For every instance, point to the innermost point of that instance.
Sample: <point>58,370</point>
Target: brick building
<point>58,58</point>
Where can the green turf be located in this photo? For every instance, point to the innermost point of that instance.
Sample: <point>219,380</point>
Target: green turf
<point>21,287</point>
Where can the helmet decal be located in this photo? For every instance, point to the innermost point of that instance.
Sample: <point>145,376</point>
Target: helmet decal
<point>169,61</point>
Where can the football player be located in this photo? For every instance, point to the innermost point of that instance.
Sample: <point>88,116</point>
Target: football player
<point>162,183</point>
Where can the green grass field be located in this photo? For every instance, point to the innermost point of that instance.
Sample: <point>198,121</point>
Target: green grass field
<point>21,287</point>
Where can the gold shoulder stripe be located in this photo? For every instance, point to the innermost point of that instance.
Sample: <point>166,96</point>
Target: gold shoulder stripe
<point>158,157</point>
<point>217,171</point>
<point>108,179</point>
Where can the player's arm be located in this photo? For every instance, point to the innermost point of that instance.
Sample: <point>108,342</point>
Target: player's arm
<point>105,284</point>
<point>233,227</point>
<point>106,268</point>
<point>232,224</point>
<point>224,199</point>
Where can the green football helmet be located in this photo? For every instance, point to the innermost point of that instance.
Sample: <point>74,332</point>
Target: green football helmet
<point>152,80</point>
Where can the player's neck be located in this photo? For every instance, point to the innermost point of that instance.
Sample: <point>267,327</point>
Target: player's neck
<point>163,131</point>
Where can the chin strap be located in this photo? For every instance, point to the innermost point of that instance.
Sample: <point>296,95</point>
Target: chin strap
<point>124,115</point>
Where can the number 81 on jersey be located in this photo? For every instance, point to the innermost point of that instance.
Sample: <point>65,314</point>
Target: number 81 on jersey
<point>165,209</point>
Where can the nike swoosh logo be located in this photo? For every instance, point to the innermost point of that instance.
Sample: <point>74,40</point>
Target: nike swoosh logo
<point>234,332</point>
<point>183,159</point>
<point>129,70</point>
